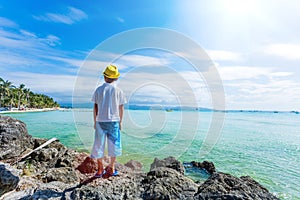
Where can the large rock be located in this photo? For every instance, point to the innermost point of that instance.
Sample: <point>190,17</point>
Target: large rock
<point>54,155</point>
<point>8,178</point>
<point>134,165</point>
<point>226,186</point>
<point>208,166</point>
<point>125,186</point>
<point>169,162</point>
<point>167,183</point>
<point>53,190</point>
<point>62,174</point>
<point>14,138</point>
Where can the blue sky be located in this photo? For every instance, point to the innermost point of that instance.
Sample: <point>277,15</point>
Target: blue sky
<point>255,44</point>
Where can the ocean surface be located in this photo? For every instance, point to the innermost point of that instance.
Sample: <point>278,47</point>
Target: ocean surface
<point>265,146</point>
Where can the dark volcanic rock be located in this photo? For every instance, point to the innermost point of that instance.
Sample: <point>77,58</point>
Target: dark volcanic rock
<point>167,183</point>
<point>208,166</point>
<point>14,138</point>
<point>8,180</point>
<point>54,155</point>
<point>134,165</point>
<point>124,186</point>
<point>226,186</point>
<point>169,162</point>
<point>62,174</point>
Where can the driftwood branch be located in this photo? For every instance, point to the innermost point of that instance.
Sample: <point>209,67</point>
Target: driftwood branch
<point>34,150</point>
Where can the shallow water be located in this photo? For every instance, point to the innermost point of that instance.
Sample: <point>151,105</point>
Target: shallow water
<point>265,146</point>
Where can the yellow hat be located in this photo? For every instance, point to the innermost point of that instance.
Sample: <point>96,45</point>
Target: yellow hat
<point>111,71</point>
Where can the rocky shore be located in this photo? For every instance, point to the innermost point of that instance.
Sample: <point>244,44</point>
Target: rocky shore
<point>56,172</point>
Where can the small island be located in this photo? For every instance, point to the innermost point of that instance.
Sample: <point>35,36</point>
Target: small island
<point>15,99</point>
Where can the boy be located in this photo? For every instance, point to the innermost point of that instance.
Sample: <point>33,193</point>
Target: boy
<point>108,114</point>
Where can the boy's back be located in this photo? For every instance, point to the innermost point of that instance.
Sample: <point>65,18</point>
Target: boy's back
<point>108,97</point>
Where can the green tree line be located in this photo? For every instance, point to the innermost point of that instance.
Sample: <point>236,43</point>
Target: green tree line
<point>19,97</point>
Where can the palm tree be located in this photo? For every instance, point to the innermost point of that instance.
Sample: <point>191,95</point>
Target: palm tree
<point>11,100</point>
<point>20,90</point>
<point>6,90</point>
<point>27,96</point>
<point>1,90</point>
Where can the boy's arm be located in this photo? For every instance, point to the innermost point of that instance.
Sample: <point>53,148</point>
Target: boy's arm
<point>95,111</point>
<point>121,110</point>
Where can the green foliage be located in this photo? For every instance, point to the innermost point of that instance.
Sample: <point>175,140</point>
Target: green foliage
<point>20,97</point>
<point>28,168</point>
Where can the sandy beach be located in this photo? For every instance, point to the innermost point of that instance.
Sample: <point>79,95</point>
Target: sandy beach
<point>30,110</point>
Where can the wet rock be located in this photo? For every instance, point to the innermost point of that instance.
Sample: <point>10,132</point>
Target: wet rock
<point>8,178</point>
<point>14,138</point>
<point>226,186</point>
<point>208,166</point>
<point>169,162</point>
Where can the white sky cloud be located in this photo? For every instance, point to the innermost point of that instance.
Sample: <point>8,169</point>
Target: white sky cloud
<point>252,95</point>
<point>224,55</point>
<point>71,16</point>
<point>22,39</point>
<point>45,83</point>
<point>4,22</point>
<point>20,48</point>
<point>287,51</point>
<point>242,72</point>
<point>141,60</point>
<point>281,74</point>
<point>76,63</point>
<point>259,88</point>
<point>27,33</point>
<point>120,19</point>
<point>97,61</point>
<point>51,40</point>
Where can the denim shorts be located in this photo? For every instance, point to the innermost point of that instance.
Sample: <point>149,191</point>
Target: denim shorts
<point>111,132</point>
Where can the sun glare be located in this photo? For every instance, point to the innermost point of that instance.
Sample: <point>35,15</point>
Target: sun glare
<point>239,7</point>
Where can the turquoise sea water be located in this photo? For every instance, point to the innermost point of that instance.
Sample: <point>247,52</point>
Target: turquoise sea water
<point>265,146</point>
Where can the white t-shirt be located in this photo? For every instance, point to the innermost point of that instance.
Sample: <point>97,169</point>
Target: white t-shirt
<point>108,97</point>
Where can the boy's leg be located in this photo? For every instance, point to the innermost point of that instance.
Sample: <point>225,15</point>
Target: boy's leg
<point>112,163</point>
<point>100,166</point>
<point>114,144</point>
<point>98,147</point>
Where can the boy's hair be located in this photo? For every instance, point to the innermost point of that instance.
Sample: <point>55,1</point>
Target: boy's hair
<point>109,80</point>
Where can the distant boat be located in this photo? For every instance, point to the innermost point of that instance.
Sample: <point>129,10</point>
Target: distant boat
<point>169,110</point>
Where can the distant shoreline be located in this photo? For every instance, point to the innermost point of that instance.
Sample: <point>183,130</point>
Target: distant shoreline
<point>147,108</point>
<point>30,110</point>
